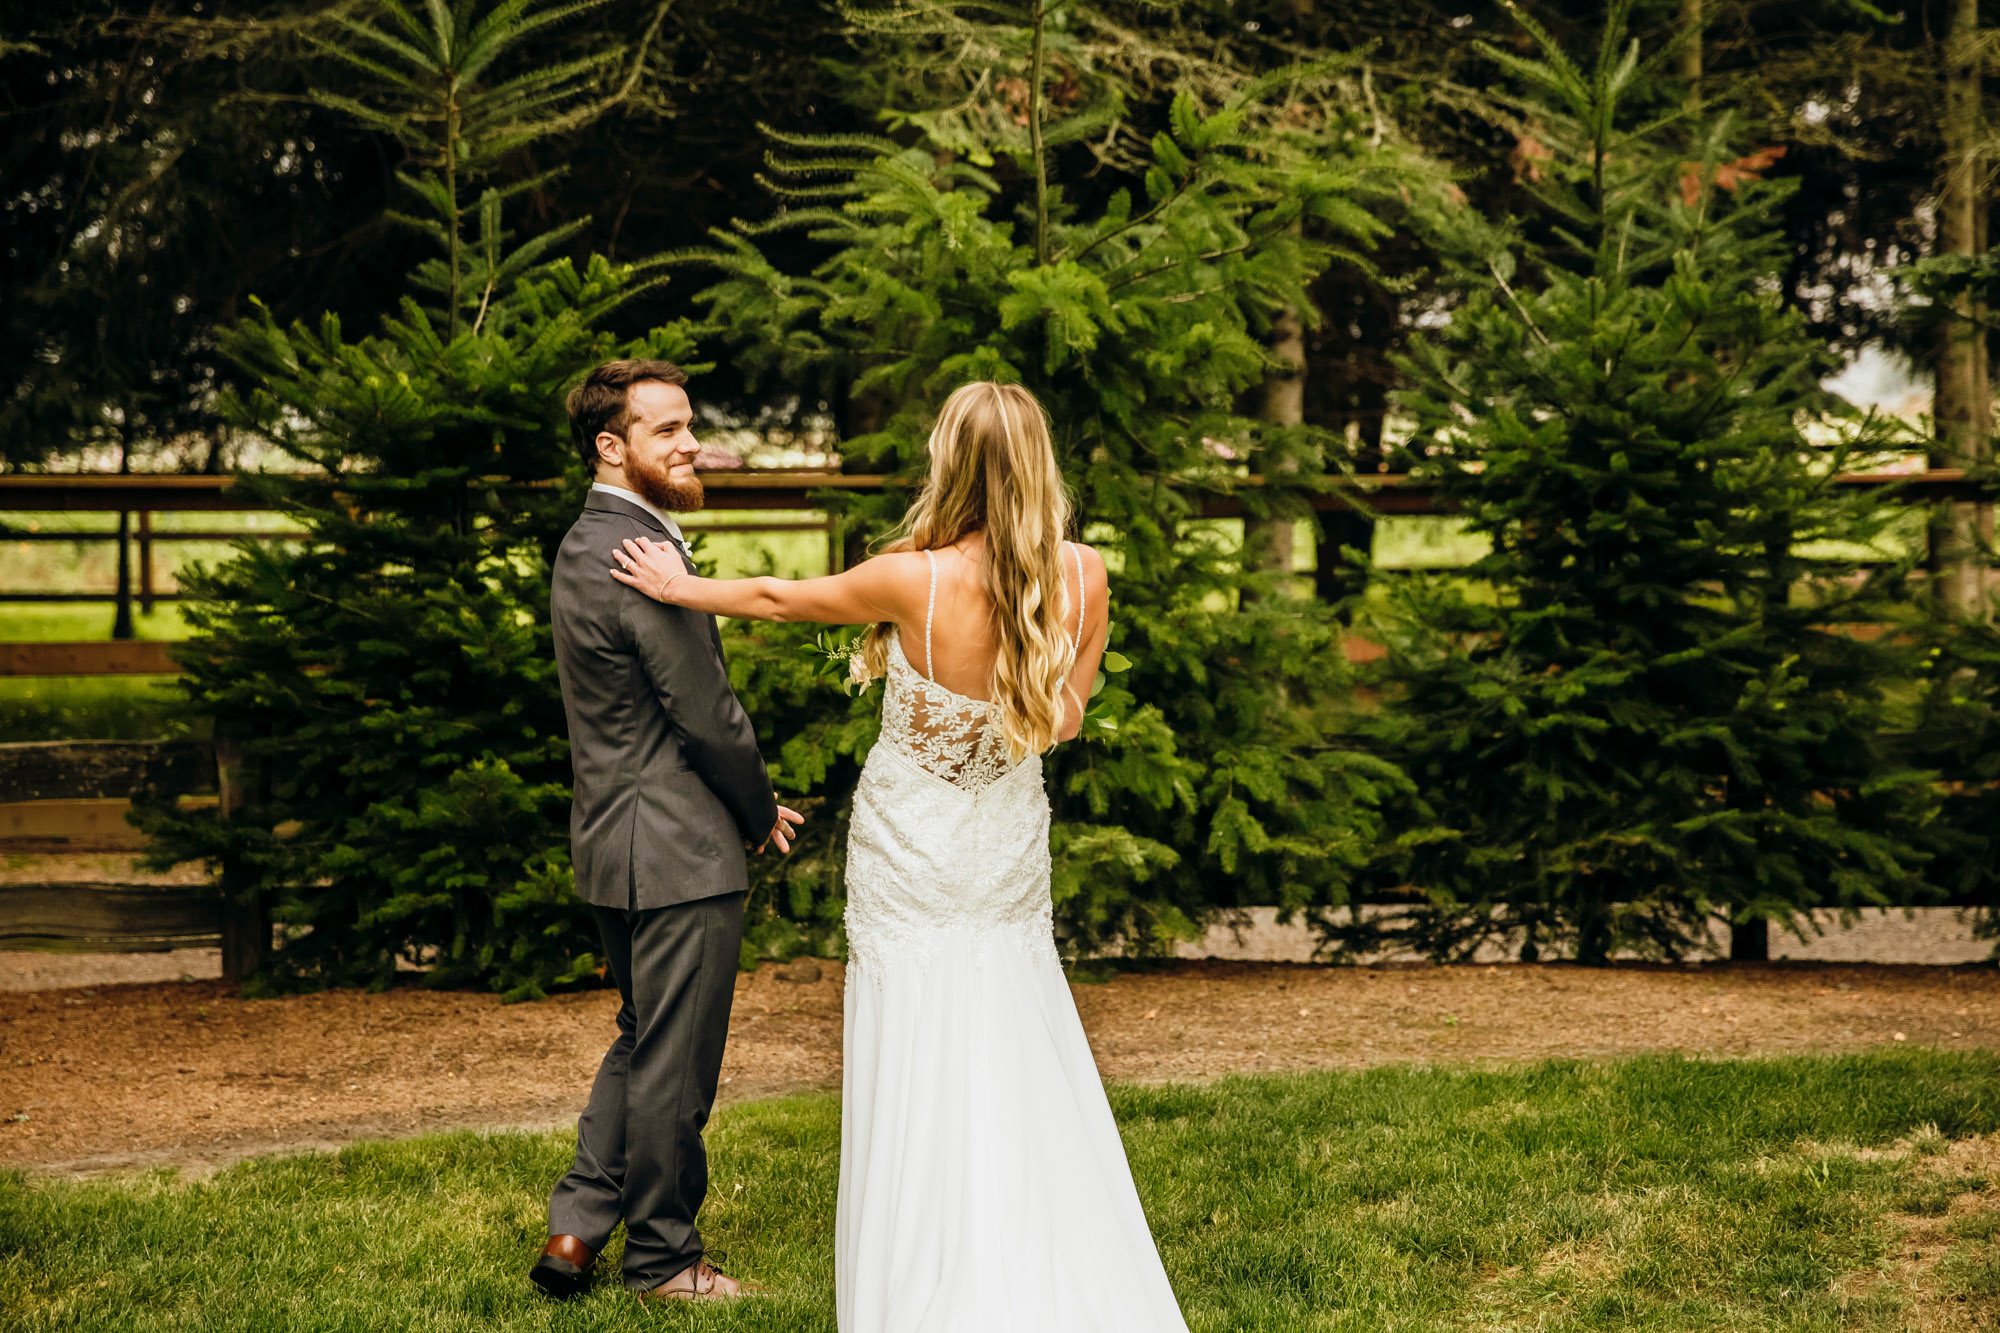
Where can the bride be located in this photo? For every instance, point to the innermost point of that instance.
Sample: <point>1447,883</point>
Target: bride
<point>983,1186</point>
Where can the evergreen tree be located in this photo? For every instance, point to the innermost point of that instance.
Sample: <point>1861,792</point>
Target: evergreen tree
<point>1134,306</point>
<point>1958,730</point>
<point>1644,708</point>
<point>1959,737</point>
<point>391,675</point>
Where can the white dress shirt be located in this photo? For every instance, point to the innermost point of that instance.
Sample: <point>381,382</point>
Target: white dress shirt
<point>634,497</point>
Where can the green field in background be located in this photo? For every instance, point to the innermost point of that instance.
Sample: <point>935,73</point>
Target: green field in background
<point>96,708</point>
<point>83,622</point>
<point>1399,543</point>
<point>122,708</point>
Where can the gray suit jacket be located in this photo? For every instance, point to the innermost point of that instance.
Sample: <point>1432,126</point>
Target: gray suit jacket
<point>669,783</point>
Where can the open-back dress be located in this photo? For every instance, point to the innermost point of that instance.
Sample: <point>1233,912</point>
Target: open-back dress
<point>983,1184</point>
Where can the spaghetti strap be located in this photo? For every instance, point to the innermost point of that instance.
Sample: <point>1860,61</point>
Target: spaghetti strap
<point>930,609</point>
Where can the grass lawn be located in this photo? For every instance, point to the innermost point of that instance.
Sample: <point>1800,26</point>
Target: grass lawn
<point>112,708</point>
<point>104,708</point>
<point>1656,1193</point>
<point>83,622</point>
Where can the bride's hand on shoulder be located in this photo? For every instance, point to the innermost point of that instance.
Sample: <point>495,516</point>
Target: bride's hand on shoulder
<point>651,567</point>
<point>885,587</point>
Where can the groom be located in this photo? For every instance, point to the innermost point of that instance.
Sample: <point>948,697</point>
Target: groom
<point>669,790</point>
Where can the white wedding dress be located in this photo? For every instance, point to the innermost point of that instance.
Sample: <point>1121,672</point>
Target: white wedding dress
<point>983,1185</point>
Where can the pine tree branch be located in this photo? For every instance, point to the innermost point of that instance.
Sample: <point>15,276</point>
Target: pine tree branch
<point>1155,211</point>
<point>1526,318</point>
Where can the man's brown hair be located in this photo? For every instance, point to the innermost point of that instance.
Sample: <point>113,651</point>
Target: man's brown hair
<point>600,403</point>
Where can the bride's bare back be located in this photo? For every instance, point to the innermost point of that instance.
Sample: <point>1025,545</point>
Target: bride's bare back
<point>963,636</point>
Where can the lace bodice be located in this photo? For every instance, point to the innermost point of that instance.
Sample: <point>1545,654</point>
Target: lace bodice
<point>954,737</point>
<point>948,735</point>
<point>949,837</point>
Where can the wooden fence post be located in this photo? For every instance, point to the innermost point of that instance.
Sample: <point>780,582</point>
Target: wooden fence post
<point>146,562</point>
<point>1334,578</point>
<point>246,915</point>
<point>1750,941</point>
<point>121,616</point>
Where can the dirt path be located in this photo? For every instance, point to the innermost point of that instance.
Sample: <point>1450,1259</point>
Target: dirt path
<point>187,1074</point>
<point>1924,935</point>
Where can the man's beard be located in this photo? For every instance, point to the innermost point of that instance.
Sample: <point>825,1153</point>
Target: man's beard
<point>662,491</point>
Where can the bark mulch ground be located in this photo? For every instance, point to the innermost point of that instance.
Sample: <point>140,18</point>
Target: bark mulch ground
<point>188,1074</point>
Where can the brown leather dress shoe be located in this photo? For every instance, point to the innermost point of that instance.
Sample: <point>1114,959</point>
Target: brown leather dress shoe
<point>563,1270</point>
<point>702,1281</point>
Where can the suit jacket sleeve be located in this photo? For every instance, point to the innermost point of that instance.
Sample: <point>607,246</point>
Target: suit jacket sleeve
<point>687,674</point>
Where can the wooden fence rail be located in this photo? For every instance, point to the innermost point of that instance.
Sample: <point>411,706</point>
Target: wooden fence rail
<point>729,490</point>
<point>775,488</point>
<point>92,917</point>
<point>74,796</point>
<point>105,657</point>
<point>98,770</point>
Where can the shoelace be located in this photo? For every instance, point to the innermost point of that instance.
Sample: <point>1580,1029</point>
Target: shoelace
<point>707,1259</point>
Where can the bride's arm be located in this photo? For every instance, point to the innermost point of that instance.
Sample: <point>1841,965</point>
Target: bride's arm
<point>1090,653</point>
<point>874,590</point>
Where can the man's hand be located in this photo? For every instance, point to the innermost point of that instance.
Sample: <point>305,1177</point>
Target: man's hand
<point>783,831</point>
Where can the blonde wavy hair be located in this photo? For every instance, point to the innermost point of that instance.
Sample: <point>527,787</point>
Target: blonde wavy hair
<point>993,467</point>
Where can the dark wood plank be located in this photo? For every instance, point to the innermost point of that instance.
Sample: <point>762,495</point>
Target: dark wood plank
<point>85,824</point>
<point>158,535</point>
<point>109,918</point>
<point>96,770</point>
<point>101,492</point>
<point>36,598</point>
<point>131,657</point>
<point>771,488</point>
<point>246,911</point>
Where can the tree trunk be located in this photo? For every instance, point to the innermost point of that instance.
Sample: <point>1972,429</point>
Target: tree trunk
<point>1267,542</point>
<point>860,414</point>
<point>1690,54</point>
<point>145,562</point>
<point>1036,68</point>
<point>1593,933</point>
<point>1962,408</point>
<point>1334,578</point>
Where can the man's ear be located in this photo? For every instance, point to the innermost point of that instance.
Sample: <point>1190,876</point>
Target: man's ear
<point>611,448</point>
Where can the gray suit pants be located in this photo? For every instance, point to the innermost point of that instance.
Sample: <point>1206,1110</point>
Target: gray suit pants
<point>639,1155</point>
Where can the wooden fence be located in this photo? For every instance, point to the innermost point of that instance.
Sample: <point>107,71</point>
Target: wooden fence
<point>73,796</point>
<point>736,490</point>
<point>775,488</point>
<point>143,496</point>
<point>67,797</point>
